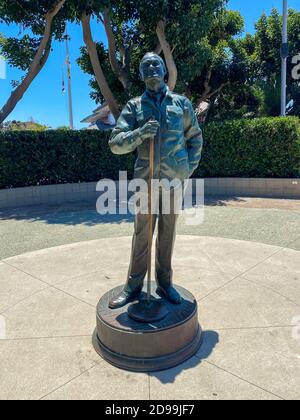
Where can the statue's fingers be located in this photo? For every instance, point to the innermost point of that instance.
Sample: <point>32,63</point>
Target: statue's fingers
<point>154,123</point>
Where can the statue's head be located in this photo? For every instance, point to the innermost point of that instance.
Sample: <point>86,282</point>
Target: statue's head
<point>152,67</point>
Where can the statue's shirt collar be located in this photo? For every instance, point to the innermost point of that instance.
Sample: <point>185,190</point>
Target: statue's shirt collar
<point>157,97</point>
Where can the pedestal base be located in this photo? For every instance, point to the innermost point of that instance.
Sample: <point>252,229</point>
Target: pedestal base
<point>146,312</point>
<point>152,346</point>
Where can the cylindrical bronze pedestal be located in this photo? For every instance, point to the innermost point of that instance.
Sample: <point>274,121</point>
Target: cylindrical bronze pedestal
<point>142,347</point>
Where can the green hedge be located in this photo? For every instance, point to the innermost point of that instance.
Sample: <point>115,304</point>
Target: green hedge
<point>267,147</point>
<point>54,157</point>
<point>262,147</point>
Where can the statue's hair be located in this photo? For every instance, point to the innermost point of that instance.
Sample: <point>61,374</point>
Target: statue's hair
<point>152,54</point>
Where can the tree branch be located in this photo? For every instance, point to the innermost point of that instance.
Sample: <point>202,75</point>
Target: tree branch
<point>56,8</point>
<point>220,88</point>
<point>210,108</point>
<point>208,92</point>
<point>173,73</point>
<point>120,72</point>
<point>36,65</point>
<point>158,49</point>
<point>47,33</point>
<point>100,77</point>
<point>212,97</point>
<point>111,43</point>
<point>207,88</point>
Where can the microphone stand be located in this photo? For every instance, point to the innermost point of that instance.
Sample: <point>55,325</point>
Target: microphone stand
<point>149,309</point>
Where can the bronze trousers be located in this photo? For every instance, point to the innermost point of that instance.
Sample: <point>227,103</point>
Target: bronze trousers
<point>164,248</point>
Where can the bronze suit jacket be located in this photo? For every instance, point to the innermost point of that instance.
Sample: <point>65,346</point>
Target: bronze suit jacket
<point>178,144</point>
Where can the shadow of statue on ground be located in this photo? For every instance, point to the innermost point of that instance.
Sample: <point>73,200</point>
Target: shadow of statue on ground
<point>85,213</point>
<point>210,341</point>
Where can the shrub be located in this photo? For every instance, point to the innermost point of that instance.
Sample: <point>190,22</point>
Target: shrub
<point>262,147</point>
<point>57,156</point>
<point>266,147</point>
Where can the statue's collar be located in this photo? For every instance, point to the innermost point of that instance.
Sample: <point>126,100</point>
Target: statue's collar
<point>165,91</point>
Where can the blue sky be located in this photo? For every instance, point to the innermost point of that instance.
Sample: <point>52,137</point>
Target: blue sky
<point>44,101</point>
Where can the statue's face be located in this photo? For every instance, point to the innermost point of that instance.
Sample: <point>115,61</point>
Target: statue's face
<point>152,68</point>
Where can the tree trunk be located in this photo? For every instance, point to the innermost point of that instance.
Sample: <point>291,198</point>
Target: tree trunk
<point>210,109</point>
<point>36,66</point>
<point>208,94</point>
<point>100,77</point>
<point>172,69</point>
<point>158,49</point>
<point>120,72</point>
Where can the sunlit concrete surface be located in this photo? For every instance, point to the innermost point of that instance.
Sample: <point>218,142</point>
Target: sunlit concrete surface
<point>249,301</point>
<point>269,221</point>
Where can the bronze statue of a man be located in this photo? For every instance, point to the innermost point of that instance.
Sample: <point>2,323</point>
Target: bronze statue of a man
<point>171,120</point>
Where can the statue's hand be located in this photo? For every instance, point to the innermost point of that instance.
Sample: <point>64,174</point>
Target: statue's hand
<point>149,130</point>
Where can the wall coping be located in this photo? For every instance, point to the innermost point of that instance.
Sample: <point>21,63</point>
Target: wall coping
<point>86,192</point>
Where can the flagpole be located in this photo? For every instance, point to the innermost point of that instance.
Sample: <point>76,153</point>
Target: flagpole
<point>71,118</point>
<point>284,56</point>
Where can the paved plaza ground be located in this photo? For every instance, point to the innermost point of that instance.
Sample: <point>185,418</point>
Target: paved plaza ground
<point>242,264</point>
<point>270,221</point>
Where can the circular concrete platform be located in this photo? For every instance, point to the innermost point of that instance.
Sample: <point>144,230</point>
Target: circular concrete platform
<point>248,296</point>
<point>152,346</point>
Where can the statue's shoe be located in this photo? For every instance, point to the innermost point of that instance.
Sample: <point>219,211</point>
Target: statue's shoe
<point>123,299</point>
<point>170,293</point>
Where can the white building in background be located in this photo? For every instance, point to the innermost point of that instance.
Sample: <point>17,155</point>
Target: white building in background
<point>101,119</point>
